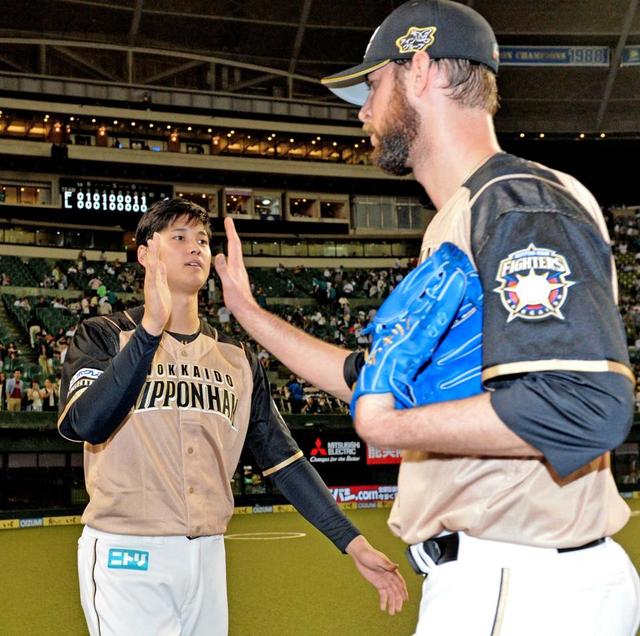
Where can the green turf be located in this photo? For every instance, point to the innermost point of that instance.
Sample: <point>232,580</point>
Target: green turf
<point>299,587</point>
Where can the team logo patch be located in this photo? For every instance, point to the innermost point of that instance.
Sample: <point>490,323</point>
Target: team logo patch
<point>533,283</point>
<point>416,39</point>
<point>124,559</point>
<point>83,377</point>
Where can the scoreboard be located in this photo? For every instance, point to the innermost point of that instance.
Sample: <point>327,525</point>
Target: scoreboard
<point>79,195</point>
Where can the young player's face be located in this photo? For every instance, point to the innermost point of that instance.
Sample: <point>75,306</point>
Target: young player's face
<point>185,250</point>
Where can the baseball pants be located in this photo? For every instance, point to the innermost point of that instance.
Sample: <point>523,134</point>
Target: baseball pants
<point>152,586</point>
<point>504,589</point>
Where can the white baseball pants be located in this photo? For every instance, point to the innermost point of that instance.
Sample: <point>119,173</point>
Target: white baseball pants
<point>152,586</point>
<point>505,589</point>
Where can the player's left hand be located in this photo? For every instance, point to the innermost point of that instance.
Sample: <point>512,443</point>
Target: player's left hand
<point>381,572</point>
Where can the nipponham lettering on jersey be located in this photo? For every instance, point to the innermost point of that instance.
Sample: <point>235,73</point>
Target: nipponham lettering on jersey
<point>190,387</point>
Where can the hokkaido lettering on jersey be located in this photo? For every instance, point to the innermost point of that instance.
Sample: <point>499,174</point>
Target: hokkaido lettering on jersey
<point>191,387</point>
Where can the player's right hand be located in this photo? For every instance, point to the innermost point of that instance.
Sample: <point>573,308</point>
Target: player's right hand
<point>157,296</point>
<point>236,288</point>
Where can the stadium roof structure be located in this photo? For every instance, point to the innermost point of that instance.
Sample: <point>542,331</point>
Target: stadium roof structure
<point>586,78</point>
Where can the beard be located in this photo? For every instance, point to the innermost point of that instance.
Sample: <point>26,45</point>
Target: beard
<point>394,144</point>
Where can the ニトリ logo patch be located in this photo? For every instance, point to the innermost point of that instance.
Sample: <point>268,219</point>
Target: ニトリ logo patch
<point>533,283</point>
<point>416,39</point>
<point>125,559</point>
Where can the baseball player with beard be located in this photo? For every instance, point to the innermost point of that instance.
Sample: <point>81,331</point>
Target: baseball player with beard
<point>164,405</point>
<point>505,497</point>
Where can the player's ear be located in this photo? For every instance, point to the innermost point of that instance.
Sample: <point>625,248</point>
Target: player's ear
<point>420,71</point>
<point>142,255</point>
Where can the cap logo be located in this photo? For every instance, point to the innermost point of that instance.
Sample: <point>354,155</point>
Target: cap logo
<point>416,39</point>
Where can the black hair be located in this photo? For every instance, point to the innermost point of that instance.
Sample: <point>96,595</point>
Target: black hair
<point>163,213</point>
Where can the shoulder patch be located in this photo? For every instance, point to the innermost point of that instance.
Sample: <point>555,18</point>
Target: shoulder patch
<point>533,283</point>
<point>83,377</point>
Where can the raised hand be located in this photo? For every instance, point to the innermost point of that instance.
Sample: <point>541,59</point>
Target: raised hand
<point>157,296</point>
<point>233,274</point>
<point>381,572</point>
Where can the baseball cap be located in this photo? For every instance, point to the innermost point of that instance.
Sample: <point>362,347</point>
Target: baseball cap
<point>443,28</point>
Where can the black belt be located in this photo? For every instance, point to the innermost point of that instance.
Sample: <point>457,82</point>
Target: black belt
<point>423,556</point>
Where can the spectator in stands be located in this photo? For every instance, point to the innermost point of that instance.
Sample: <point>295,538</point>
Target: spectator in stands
<point>60,349</point>
<point>296,394</point>
<point>3,389</point>
<point>6,280</point>
<point>261,297</point>
<point>34,396</point>
<point>94,283</point>
<point>211,289</point>
<point>14,390</point>
<point>50,396</point>
<point>58,303</point>
<point>56,274</point>
<point>224,317</point>
<point>311,406</point>
<point>323,405</point>
<point>34,327</point>
<point>104,307</point>
<point>45,354</point>
<point>264,358</point>
<point>22,303</point>
<point>85,307</point>
<point>12,354</point>
<point>81,261</point>
<point>71,330</point>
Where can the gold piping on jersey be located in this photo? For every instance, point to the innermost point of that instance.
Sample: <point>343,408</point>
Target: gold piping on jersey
<point>283,464</point>
<point>113,323</point>
<point>62,415</point>
<point>591,366</point>
<point>133,322</point>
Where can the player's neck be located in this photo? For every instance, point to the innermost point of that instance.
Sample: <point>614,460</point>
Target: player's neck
<point>456,151</point>
<point>184,314</point>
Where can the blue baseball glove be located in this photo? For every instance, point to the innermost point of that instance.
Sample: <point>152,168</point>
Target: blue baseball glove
<point>427,335</point>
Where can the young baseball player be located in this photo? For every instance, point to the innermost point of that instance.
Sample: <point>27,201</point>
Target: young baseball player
<point>506,497</point>
<point>164,405</point>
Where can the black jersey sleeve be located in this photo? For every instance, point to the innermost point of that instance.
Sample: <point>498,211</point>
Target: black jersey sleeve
<point>278,455</point>
<point>99,382</point>
<point>549,300</point>
<point>303,487</point>
<point>268,437</point>
<point>570,417</point>
<point>554,347</point>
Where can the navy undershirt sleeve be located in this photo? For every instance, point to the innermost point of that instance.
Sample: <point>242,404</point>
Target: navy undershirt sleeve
<point>102,407</point>
<point>570,417</point>
<point>304,488</point>
<point>352,365</point>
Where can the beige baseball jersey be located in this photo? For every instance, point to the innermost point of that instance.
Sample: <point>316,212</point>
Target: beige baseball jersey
<point>540,245</point>
<point>166,470</point>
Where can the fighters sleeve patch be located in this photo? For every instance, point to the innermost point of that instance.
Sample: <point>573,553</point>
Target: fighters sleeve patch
<point>533,283</point>
<point>83,378</point>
